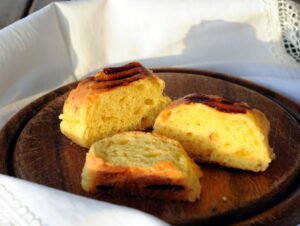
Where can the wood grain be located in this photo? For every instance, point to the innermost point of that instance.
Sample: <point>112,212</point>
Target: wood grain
<point>40,153</point>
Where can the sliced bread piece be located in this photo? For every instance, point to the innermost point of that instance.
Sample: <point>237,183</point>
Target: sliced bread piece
<point>215,130</point>
<point>141,164</point>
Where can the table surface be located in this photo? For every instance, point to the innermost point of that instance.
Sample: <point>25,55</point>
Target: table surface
<point>13,10</point>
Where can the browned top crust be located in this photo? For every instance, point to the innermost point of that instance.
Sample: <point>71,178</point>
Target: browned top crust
<point>106,80</point>
<point>213,101</point>
<point>112,77</point>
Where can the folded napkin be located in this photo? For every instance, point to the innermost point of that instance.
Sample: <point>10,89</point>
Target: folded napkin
<point>65,41</point>
<point>54,207</point>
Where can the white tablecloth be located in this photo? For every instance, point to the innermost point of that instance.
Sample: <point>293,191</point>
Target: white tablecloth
<point>65,41</point>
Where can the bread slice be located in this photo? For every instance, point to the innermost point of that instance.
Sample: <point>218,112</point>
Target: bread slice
<point>114,100</point>
<point>215,130</point>
<point>141,164</point>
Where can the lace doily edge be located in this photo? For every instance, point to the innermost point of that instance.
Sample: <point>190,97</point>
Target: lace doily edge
<point>274,30</point>
<point>15,206</point>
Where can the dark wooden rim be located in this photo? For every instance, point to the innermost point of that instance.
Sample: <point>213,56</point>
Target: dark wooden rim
<point>23,116</point>
<point>288,208</point>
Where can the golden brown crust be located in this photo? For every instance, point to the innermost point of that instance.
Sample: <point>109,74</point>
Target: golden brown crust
<point>163,180</point>
<point>113,77</point>
<point>105,80</point>
<point>213,101</point>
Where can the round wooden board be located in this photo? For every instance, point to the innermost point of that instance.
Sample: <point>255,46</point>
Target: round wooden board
<point>33,148</point>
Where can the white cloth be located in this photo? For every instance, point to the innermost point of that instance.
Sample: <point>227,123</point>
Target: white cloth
<point>65,41</point>
<point>53,207</point>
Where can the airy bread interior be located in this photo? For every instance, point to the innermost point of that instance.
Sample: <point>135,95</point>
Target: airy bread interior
<point>91,114</point>
<point>146,160</point>
<point>238,140</point>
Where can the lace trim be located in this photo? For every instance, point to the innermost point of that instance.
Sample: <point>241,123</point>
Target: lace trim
<point>289,18</point>
<point>13,213</point>
<point>275,33</point>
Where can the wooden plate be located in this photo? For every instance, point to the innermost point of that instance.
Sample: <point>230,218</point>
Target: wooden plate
<point>33,148</point>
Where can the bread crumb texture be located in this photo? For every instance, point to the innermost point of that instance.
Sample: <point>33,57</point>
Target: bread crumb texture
<point>238,140</point>
<point>142,164</point>
<point>90,114</point>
